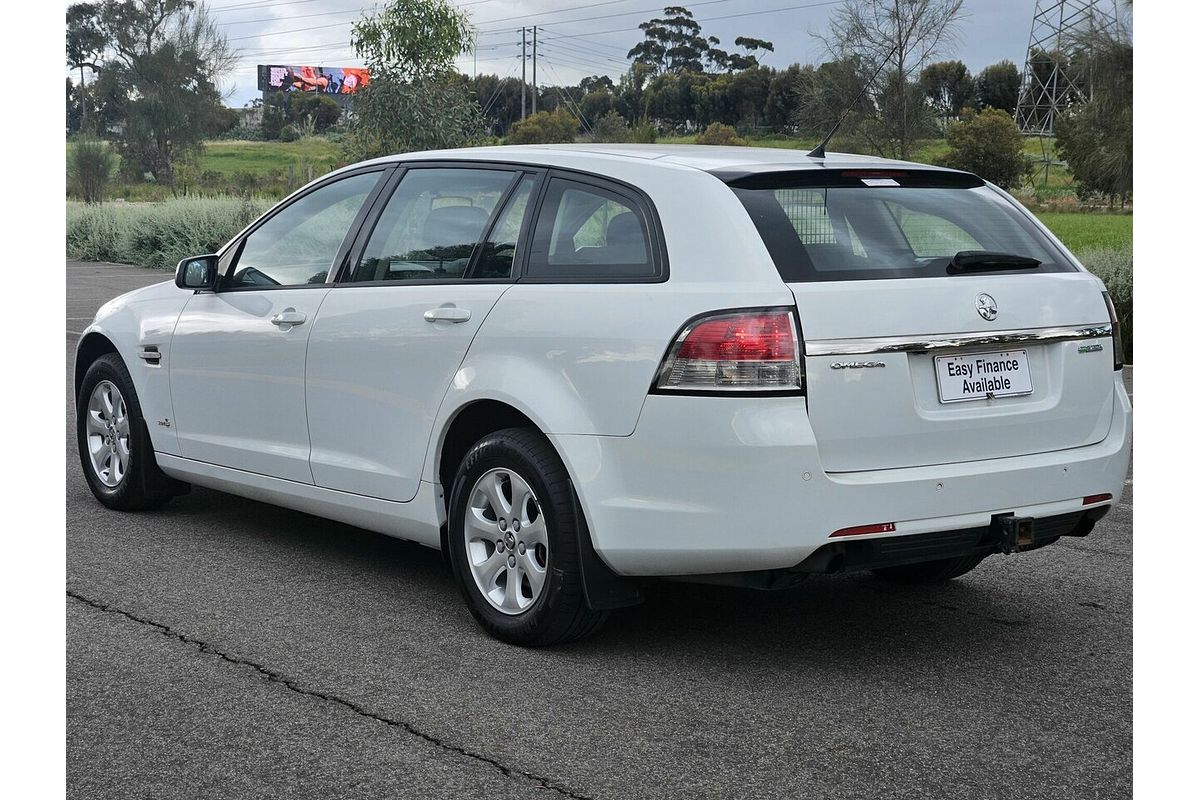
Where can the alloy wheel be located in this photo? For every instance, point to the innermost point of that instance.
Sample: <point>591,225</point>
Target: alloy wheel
<point>507,546</point>
<point>108,439</point>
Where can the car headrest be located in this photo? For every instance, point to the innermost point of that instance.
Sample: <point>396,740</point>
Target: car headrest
<point>454,225</point>
<point>625,243</point>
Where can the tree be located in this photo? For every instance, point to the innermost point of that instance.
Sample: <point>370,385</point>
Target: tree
<point>158,63</point>
<point>596,83</point>
<point>176,106</point>
<point>595,105</point>
<point>296,109</point>
<point>998,86</point>
<point>85,43</point>
<point>74,108</point>
<point>906,34</point>
<point>414,100</point>
<point>826,93</point>
<point>988,144</point>
<point>1095,138</point>
<point>89,164</point>
<point>782,95</point>
<point>673,43</point>
<point>948,86</point>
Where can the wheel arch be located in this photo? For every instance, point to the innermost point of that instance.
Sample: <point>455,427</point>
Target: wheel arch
<point>467,425</point>
<point>91,347</point>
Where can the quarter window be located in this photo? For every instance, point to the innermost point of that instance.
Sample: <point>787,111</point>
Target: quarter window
<point>586,232</point>
<point>298,244</point>
<point>431,225</point>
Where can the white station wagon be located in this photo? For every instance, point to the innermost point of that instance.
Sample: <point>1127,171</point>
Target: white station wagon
<point>573,368</point>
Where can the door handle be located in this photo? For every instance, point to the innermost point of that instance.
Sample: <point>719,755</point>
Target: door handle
<point>289,316</point>
<point>447,314</point>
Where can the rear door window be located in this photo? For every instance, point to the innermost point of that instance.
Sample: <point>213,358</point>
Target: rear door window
<point>901,229</point>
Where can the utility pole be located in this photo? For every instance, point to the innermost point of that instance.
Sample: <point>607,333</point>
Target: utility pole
<point>522,72</point>
<point>535,69</point>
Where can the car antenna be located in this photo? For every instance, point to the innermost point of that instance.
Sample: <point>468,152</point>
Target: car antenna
<point>819,150</point>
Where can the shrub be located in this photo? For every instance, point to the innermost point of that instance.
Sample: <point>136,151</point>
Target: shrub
<point>156,234</point>
<point>611,128</point>
<point>645,132</point>
<point>288,134</point>
<point>243,133</point>
<point>1114,266</point>
<point>716,133</point>
<point>989,144</point>
<point>544,127</point>
<point>89,164</point>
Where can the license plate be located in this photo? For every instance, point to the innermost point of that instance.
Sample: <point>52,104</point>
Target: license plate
<point>1004,373</point>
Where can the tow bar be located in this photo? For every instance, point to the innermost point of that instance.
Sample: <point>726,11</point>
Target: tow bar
<point>1011,533</point>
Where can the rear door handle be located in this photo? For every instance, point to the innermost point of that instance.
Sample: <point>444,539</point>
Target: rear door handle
<point>288,316</point>
<point>447,314</point>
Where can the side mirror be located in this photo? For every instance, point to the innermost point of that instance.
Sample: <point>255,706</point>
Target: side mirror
<point>197,272</point>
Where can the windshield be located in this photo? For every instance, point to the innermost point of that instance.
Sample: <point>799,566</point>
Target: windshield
<point>888,230</point>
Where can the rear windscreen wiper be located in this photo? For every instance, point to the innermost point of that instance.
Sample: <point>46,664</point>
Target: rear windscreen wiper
<point>983,261</point>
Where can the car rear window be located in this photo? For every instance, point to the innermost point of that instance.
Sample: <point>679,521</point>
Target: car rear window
<point>860,225</point>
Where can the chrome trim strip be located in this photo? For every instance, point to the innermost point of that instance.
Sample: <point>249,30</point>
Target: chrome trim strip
<point>950,341</point>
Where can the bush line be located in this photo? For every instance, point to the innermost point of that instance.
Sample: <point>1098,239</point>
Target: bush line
<point>156,235</point>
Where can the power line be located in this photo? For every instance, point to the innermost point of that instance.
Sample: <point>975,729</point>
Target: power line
<point>573,108</point>
<point>563,11</point>
<point>599,16</point>
<point>255,6</point>
<point>594,55</point>
<point>313,27</point>
<point>295,16</point>
<point>582,61</point>
<point>615,52</point>
<point>705,19</point>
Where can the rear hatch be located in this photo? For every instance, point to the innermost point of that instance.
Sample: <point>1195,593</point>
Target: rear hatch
<point>931,336</point>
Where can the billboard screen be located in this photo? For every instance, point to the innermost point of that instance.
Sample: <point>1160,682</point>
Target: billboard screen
<point>326,80</point>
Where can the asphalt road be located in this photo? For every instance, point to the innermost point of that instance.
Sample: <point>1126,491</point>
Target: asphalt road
<point>226,648</point>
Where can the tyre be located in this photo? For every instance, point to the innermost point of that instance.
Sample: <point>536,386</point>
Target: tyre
<point>114,445</point>
<point>940,571</point>
<point>513,541</point>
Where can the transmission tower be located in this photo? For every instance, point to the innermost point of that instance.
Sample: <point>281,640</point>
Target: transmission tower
<point>1049,85</point>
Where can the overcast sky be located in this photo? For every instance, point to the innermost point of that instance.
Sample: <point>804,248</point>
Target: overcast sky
<point>577,38</point>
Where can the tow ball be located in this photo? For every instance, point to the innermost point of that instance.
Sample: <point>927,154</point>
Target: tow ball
<point>1011,533</point>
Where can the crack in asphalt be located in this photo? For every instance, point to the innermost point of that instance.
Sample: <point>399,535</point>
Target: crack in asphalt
<point>276,677</point>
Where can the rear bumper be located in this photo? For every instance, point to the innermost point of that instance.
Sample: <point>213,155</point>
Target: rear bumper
<point>715,485</point>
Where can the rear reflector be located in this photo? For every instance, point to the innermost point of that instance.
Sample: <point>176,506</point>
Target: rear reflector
<point>1097,498</point>
<point>861,530</point>
<point>755,350</point>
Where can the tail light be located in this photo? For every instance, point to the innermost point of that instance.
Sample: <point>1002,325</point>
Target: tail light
<point>735,351</point>
<point>1118,345</point>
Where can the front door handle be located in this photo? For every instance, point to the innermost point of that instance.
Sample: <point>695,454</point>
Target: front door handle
<point>289,317</point>
<point>447,314</point>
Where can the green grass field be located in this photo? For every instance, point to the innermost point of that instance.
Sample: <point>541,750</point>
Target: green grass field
<point>1090,231</point>
<point>261,158</point>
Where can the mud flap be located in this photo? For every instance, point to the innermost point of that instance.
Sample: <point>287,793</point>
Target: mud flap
<point>602,588</point>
